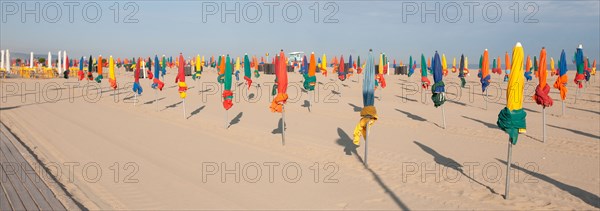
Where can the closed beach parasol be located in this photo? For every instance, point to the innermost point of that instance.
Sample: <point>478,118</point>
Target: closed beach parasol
<point>227,94</point>
<point>579,63</point>
<point>562,79</point>
<point>198,73</point>
<point>424,80</point>
<point>90,76</point>
<point>180,80</point>
<point>137,88</point>
<point>411,66</point>
<point>342,69</point>
<point>368,114</point>
<point>528,69</point>
<point>506,67</point>
<point>444,65</point>
<point>323,67</point>
<point>438,88</point>
<point>512,118</point>
<point>100,67</point>
<point>485,75</point>
<point>454,65</point>
<point>281,83</point>
<point>247,71</point>
<point>541,91</point>
<point>111,73</point>
<point>80,73</point>
<point>461,71</point>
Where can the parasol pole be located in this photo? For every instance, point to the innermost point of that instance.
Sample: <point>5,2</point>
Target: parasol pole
<point>183,108</point>
<point>283,124</point>
<point>508,163</point>
<point>156,98</point>
<point>444,116</point>
<point>309,101</point>
<point>367,138</point>
<point>576,94</point>
<point>226,118</point>
<point>563,107</point>
<point>544,124</point>
<point>486,99</point>
<point>134,99</point>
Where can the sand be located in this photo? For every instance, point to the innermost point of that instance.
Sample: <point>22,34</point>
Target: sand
<point>153,159</point>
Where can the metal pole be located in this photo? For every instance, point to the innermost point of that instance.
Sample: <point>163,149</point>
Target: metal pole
<point>283,124</point>
<point>366,139</point>
<point>544,124</point>
<point>508,163</point>
<point>226,118</point>
<point>183,108</point>
<point>486,99</point>
<point>134,99</point>
<point>444,116</point>
<point>156,98</point>
<point>576,94</point>
<point>563,108</point>
<point>309,101</point>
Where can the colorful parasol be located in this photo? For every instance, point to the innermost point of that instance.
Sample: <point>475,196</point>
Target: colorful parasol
<point>198,73</point>
<point>541,92</point>
<point>111,73</point>
<point>424,80</point>
<point>80,73</point>
<point>444,65</point>
<point>342,69</point>
<point>227,94</point>
<point>100,66</point>
<point>438,87</point>
<point>461,71</point>
<point>485,74</point>
<point>281,83</point>
<point>247,71</point>
<point>580,75</point>
<point>512,118</point>
<point>137,88</point>
<point>528,69</point>
<point>90,76</point>
<point>368,114</point>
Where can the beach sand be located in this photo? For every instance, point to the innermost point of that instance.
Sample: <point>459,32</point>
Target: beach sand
<point>152,159</point>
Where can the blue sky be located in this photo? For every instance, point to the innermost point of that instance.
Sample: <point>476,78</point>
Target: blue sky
<point>170,27</point>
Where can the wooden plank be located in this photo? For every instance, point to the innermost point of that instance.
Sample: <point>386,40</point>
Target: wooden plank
<point>4,202</point>
<point>20,184</point>
<point>45,192</point>
<point>11,193</point>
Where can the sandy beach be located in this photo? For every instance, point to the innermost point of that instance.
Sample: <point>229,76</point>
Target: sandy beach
<point>111,154</point>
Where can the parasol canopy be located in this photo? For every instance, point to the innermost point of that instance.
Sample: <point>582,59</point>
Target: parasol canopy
<point>368,114</point>
<point>247,71</point>
<point>137,88</point>
<point>111,73</point>
<point>281,83</point>
<point>579,63</point>
<point>461,71</point>
<point>541,91</point>
<point>511,119</point>
<point>180,78</point>
<point>310,79</point>
<point>100,66</point>
<point>424,80</point>
<point>561,80</point>
<point>485,74</point>
<point>438,87</point>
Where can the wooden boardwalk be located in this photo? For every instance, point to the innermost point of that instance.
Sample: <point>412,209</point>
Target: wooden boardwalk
<point>21,187</point>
